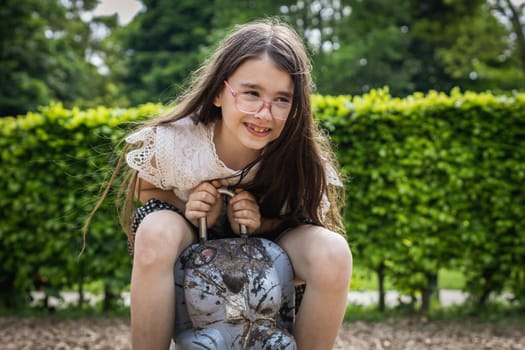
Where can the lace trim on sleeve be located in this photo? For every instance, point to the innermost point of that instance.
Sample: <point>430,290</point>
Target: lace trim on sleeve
<point>332,177</point>
<point>324,206</point>
<point>141,159</point>
<point>165,156</point>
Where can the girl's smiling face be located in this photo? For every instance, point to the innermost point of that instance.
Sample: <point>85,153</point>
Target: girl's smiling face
<point>242,136</point>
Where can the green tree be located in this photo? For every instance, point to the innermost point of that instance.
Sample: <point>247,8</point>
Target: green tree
<point>229,12</point>
<point>45,52</point>
<point>412,45</point>
<point>168,40</point>
<point>162,46</point>
<point>513,16</point>
<point>461,43</point>
<point>25,55</point>
<point>318,23</point>
<point>373,50</point>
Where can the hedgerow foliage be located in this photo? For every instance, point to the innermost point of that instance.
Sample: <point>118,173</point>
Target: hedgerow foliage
<point>432,181</point>
<point>53,165</point>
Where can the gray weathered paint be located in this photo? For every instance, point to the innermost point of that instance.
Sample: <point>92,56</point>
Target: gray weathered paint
<point>234,293</point>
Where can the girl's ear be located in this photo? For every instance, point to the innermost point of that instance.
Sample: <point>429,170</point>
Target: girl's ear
<point>217,102</point>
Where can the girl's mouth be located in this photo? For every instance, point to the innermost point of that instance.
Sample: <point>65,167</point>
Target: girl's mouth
<point>257,130</point>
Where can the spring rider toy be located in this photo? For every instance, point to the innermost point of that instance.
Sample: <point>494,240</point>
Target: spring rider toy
<point>233,293</point>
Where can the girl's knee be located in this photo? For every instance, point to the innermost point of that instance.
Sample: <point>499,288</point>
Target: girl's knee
<point>331,259</point>
<point>160,238</point>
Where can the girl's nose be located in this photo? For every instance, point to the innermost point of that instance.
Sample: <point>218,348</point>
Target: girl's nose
<point>265,112</point>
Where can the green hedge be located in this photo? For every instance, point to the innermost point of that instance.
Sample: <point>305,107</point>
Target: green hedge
<point>433,181</point>
<point>53,164</point>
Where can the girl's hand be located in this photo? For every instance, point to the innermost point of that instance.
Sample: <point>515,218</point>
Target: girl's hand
<point>244,210</point>
<point>204,201</point>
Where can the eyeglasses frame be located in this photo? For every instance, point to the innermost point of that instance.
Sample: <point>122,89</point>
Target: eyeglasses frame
<point>264,103</point>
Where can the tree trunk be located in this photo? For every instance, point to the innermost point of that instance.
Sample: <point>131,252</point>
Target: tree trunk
<point>518,30</point>
<point>109,298</point>
<point>427,292</point>
<point>381,280</point>
<point>81,296</point>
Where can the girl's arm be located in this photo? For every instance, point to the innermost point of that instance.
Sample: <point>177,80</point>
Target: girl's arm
<point>203,200</point>
<point>146,190</point>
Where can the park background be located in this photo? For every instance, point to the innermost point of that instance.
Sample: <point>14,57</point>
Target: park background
<point>423,100</point>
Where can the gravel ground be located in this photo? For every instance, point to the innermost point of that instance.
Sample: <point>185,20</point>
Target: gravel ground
<point>113,334</point>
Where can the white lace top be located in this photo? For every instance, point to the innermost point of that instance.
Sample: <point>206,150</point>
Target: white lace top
<point>181,155</point>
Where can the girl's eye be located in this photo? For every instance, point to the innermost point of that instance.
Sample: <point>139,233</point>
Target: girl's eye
<point>282,100</point>
<point>249,95</point>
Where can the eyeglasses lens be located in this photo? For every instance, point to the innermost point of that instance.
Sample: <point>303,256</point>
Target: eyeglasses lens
<point>252,104</point>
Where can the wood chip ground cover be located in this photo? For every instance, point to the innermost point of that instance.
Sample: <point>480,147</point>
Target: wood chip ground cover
<point>113,334</point>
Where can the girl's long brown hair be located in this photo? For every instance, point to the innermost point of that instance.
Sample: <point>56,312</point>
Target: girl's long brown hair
<point>292,168</point>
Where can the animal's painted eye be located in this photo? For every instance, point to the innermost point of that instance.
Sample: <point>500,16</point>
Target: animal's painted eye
<point>204,256</point>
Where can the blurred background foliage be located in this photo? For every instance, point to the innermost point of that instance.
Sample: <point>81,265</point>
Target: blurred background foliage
<point>433,182</point>
<point>435,172</point>
<point>57,50</point>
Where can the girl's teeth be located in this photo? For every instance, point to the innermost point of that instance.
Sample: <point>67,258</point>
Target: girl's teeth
<point>259,129</point>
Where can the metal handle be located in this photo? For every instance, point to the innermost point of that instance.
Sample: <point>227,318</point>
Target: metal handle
<point>203,234</point>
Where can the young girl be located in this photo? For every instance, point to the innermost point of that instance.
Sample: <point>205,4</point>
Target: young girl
<point>245,122</point>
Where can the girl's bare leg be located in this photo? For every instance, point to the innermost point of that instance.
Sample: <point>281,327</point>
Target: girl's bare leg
<point>323,260</point>
<point>160,239</point>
